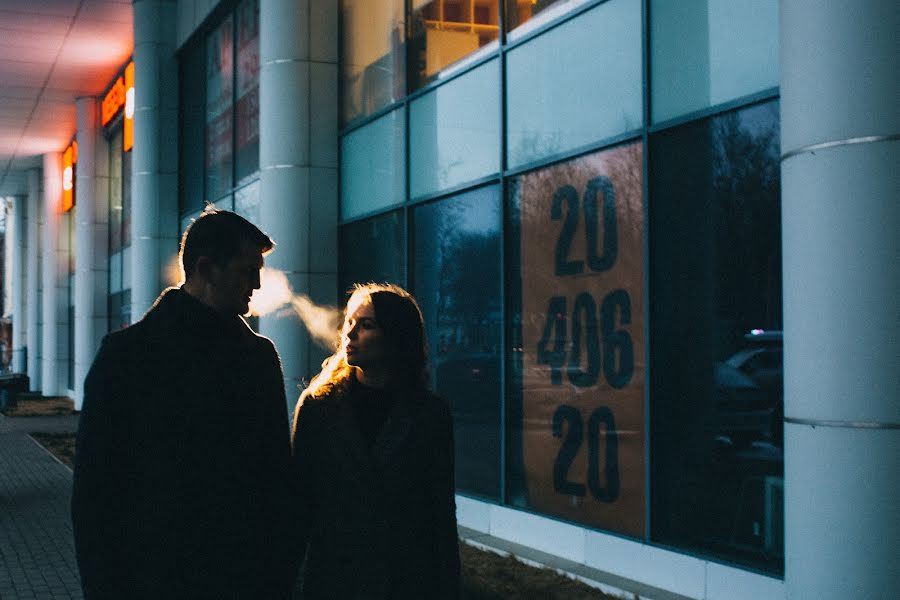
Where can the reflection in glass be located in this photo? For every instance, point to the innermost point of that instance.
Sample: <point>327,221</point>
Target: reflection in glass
<point>457,282</point>
<point>372,47</point>
<point>706,52</point>
<point>372,250</point>
<point>557,101</point>
<point>191,127</point>
<point>717,372</point>
<point>246,108</point>
<point>445,31</point>
<point>219,90</point>
<point>535,13</point>
<point>455,132</point>
<point>372,170</point>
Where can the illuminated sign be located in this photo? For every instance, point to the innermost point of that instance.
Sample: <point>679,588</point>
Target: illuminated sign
<point>120,95</point>
<point>128,137</point>
<point>114,100</point>
<point>70,157</point>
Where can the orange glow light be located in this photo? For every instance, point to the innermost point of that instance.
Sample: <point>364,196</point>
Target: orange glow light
<point>113,101</point>
<point>128,137</point>
<point>68,178</point>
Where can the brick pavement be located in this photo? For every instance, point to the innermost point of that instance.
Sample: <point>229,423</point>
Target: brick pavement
<point>37,554</point>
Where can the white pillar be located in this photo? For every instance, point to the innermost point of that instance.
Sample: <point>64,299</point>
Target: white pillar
<point>19,283</point>
<point>154,179</point>
<point>298,165</point>
<point>34,295</point>
<point>53,269</point>
<point>91,266</point>
<point>840,139</point>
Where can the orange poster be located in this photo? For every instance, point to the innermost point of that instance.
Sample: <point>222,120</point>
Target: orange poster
<point>582,269</point>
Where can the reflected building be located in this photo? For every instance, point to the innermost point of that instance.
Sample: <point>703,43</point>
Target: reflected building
<point>614,217</point>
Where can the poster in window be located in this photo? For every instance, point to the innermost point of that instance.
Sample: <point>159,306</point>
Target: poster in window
<point>581,250</point>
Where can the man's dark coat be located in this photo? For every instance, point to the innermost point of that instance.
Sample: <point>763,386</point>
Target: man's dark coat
<point>380,522</point>
<point>182,461</point>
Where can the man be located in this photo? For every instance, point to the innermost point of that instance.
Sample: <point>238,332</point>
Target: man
<point>181,486</point>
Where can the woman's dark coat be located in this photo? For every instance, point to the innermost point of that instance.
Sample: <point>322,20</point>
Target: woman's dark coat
<point>183,461</point>
<point>381,522</point>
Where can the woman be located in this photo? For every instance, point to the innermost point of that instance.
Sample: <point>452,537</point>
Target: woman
<point>373,452</point>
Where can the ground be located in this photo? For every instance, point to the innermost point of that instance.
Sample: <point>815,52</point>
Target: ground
<point>486,575</point>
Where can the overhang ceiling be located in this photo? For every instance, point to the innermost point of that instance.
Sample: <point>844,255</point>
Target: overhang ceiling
<point>52,52</point>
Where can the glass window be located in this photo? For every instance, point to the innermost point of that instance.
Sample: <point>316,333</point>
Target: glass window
<point>119,310</point>
<point>246,202</point>
<point>373,250</point>
<point>219,97</point>
<point>457,283</point>
<point>706,52</point>
<point>445,31</point>
<point>455,132</point>
<point>372,73</point>
<point>535,13</point>
<point>192,120</point>
<point>246,107</point>
<point>575,393</point>
<point>558,101</point>
<point>715,275</point>
<point>116,189</point>
<point>372,166</point>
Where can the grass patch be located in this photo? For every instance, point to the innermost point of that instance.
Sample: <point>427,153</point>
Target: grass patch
<point>61,445</point>
<point>40,407</point>
<point>489,576</point>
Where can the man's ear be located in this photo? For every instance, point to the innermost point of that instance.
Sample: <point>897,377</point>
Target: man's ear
<point>204,268</point>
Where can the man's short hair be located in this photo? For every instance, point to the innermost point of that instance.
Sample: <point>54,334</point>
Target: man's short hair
<point>218,235</point>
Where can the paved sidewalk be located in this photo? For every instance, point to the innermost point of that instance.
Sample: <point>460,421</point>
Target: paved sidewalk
<point>37,554</point>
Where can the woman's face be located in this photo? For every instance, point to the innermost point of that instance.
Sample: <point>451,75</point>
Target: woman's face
<point>362,337</point>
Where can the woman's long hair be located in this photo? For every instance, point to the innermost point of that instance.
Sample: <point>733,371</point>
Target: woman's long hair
<point>400,319</point>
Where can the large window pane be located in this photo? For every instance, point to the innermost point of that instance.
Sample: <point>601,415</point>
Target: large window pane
<point>372,72</point>
<point>372,166</point>
<point>715,276</point>
<point>445,31</point>
<point>246,108</point>
<point>116,201</point>
<point>455,132</point>
<point>575,392</point>
<point>246,202</point>
<point>373,250</point>
<point>219,91</point>
<point>192,128</point>
<point>457,282</point>
<point>705,52</point>
<point>558,100</point>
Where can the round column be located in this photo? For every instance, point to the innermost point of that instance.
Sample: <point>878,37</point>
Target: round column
<point>840,184</point>
<point>298,167</point>
<point>33,335</point>
<point>154,182</point>
<point>91,218</point>
<point>52,269</point>
<point>19,284</point>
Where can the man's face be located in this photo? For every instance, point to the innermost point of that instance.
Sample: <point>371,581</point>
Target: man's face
<point>231,286</point>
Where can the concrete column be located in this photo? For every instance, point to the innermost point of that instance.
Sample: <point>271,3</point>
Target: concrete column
<point>840,138</point>
<point>298,166</point>
<point>91,267</point>
<point>54,267</point>
<point>154,180</point>
<point>34,283</point>
<point>19,284</point>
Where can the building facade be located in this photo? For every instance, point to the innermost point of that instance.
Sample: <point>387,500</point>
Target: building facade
<point>622,220</point>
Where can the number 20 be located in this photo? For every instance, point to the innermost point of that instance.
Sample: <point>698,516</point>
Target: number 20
<point>568,195</point>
